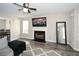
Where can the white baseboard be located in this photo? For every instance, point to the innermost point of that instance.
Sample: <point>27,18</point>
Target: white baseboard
<point>76,49</point>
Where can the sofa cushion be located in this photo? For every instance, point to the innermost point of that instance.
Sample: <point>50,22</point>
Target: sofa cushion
<point>3,42</point>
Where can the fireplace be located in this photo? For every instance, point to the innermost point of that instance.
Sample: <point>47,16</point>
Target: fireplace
<point>39,36</point>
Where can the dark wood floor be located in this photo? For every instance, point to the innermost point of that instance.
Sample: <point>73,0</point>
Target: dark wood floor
<point>63,50</point>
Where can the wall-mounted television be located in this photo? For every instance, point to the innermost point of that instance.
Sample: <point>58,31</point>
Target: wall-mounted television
<point>39,22</point>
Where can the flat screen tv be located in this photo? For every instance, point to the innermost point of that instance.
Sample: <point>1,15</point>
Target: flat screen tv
<point>39,22</point>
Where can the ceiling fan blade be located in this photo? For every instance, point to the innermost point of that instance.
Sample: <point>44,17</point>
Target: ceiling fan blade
<point>24,4</point>
<point>33,9</point>
<point>20,9</point>
<point>17,4</point>
<point>29,11</point>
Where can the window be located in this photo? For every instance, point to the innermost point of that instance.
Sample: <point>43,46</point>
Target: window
<point>25,26</point>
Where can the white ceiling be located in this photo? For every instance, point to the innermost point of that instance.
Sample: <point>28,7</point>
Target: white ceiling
<point>8,9</point>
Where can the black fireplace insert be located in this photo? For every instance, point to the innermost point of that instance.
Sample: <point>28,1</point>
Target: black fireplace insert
<point>39,36</point>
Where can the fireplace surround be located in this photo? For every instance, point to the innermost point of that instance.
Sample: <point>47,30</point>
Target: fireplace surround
<point>39,36</point>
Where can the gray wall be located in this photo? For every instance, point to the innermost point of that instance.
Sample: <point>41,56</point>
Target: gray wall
<point>50,29</point>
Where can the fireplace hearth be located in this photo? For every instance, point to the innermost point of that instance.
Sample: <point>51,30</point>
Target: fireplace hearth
<point>39,36</point>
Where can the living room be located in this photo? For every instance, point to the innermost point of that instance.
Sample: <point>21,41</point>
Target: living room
<point>21,27</point>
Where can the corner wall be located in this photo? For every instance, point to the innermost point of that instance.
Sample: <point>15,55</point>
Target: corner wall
<point>14,26</point>
<point>74,29</point>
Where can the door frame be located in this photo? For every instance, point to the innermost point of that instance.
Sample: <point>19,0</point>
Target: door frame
<point>57,33</point>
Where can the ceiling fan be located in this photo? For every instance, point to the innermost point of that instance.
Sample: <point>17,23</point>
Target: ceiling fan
<point>25,7</point>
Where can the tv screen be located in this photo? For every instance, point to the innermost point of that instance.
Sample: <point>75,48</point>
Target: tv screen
<point>41,21</point>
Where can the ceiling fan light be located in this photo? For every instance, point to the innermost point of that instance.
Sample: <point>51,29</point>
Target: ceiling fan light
<point>25,10</point>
